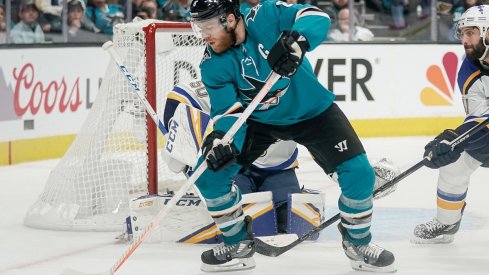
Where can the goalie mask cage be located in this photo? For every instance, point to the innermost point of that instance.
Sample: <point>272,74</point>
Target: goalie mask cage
<point>116,155</point>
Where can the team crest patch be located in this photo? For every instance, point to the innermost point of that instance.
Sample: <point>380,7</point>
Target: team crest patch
<point>207,55</point>
<point>251,15</point>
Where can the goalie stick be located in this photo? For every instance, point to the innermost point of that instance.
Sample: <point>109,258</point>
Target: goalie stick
<point>274,251</point>
<point>271,80</point>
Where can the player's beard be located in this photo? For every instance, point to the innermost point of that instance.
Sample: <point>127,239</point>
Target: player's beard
<point>226,41</point>
<point>477,51</point>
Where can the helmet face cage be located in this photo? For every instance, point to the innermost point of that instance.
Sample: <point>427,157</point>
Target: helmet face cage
<point>477,17</point>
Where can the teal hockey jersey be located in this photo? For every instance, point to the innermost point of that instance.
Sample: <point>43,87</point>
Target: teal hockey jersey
<point>239,73</point>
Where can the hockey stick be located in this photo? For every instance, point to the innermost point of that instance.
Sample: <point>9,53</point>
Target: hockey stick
<point>272,79</point>
<point>274,251</point>
<point>135,87</point>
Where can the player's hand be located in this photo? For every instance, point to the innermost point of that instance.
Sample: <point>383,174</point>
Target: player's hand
<point>217,154</point>
<point>439,153</point>
<point>287,54</point>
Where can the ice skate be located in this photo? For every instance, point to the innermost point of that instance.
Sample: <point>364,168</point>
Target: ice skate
<point>435,232</point>
<point>237,256</point>
<point>370,257</point>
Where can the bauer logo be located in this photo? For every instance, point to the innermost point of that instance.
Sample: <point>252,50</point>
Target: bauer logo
<point>442,82</point>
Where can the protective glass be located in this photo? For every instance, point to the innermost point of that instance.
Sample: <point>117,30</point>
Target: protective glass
<point>207,27</point>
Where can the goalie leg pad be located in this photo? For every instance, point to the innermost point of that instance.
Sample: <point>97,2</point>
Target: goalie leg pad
<point>305,212</point>
<point>259,206</point>
<point>188,221</point>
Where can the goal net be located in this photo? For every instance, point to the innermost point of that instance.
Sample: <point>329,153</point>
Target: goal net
<point>116,155</point>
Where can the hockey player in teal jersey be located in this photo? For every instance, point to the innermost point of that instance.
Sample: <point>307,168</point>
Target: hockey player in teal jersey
<point>456,167</point>
<point>242,50</point>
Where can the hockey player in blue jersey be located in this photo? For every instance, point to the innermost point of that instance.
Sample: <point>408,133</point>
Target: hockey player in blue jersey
<point>242,50</point>
<point>456,167</point>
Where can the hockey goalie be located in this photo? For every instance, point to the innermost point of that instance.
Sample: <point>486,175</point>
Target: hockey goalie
<point>272,195</point>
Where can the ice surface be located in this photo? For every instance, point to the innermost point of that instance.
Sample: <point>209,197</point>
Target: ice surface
<point>25,250</point>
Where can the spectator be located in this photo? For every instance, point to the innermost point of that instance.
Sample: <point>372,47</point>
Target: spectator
<point>425,9</point>
<point>80,28</point>
<point>54,7</point>
<point>143,14</point>
<point>457,10</point>
<point>50,14</point>
<point>397,10</point>
<point>150,7</point>
<point>28,29</point>
<point>247,4</point>
<point>339,5</point>
<point>341,34</point>
<point>176,10</point>
<point>135,7</point>
<point>105,16</point>
<point>3,24</point>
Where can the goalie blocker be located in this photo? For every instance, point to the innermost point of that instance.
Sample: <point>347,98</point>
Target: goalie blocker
<point>189,221</point>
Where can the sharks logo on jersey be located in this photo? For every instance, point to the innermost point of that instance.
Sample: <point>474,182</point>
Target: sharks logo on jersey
<point>252,14</point>
<point>250,73</point>
<point>273,96</point>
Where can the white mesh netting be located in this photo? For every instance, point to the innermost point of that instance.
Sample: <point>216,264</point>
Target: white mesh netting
<point>108,164</point>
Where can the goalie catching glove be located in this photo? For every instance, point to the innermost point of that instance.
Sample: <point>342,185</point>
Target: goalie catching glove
<point>217,154</point>
<point>385,171</point>
<point>287,54</point>
<point>439,153</point>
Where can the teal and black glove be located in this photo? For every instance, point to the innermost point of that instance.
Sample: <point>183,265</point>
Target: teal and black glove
<point>287,54</point>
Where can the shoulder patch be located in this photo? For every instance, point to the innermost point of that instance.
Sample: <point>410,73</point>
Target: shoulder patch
<point>207,55</point>
<point>251,15</point>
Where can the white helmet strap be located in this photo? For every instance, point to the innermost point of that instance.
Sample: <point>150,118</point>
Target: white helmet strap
<point>483,35</point>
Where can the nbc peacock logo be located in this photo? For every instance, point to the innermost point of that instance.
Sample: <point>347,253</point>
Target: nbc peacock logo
<point>442,80</point>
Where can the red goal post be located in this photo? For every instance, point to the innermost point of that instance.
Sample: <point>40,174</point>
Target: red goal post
<point>116,155</point>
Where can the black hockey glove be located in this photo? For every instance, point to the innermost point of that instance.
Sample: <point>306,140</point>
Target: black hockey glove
<point>440,152</point>
<point>218,155</point>
<point>287,54</point>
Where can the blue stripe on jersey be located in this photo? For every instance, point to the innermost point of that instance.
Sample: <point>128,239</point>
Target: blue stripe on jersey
<point>474,118</point>
<point>283,165</point>
<point>186,95</point>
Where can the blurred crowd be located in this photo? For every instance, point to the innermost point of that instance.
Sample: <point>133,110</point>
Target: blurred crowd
<point>43,21</point>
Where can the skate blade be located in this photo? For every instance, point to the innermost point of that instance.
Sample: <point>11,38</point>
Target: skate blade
<point>361,266</point>
<point>233,265</point>
<point>444,239</point>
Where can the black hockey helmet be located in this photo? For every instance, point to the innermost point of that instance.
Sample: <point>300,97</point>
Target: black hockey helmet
<point>206,9</point>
